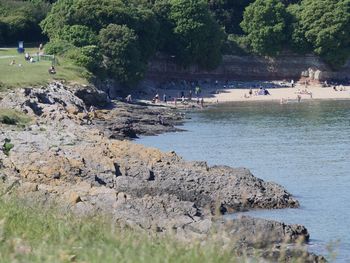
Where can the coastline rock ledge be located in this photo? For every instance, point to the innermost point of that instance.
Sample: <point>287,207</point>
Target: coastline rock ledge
<point>59,159</point>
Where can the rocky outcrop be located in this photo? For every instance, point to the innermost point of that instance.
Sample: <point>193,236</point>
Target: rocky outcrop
<point>131,120</point>
<point>60,159</point>
<point>143,172</point>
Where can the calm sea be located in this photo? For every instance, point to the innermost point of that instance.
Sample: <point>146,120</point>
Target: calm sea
<point>304,147</point>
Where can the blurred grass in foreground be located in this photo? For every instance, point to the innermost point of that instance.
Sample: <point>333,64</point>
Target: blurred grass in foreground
<point>30,234</point>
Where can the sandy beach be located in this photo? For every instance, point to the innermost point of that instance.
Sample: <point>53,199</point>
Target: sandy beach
<point>278,94</point>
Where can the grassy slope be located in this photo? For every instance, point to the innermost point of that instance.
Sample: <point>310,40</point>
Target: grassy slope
<point>34,73</point>
<point>29,234</point>
<point>18,118</point>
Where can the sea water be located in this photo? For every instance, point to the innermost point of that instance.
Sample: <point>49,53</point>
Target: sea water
<point>303,146</point>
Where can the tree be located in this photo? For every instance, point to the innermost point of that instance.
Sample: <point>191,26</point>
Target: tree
<point>229,14</point>
<point>20,20</point>
<point>122,58</point>
<point>298,42</point>
<point>326,25</point>
<point>198,37</point>
<point>264,22</point>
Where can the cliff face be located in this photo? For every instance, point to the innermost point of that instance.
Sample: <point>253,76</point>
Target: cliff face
<point>287,66</point>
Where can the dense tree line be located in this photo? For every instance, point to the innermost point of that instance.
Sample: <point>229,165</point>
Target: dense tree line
<point>19,20</point>
<point>116,38</point>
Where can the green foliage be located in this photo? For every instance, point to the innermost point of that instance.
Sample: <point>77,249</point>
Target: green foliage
<point>229,14</point>
<point>79,23</point>
<point>88,57</point>
<point>298,41</point>
<point>7,147</point>
<point>120,47</point>
<point>326,25</point>
<point>19,20</point>
<point>58,47</point>
<point>264,23</point>
<point>57,18</point>
<point>198,38</point>
<point>235,45</point>
<point>78,35</point>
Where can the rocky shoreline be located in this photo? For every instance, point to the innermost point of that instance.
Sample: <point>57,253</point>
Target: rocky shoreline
<point>59,159</point>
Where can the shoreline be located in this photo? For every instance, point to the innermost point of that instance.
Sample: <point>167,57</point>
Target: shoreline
<point>282,95</point>
<point>285,94</point>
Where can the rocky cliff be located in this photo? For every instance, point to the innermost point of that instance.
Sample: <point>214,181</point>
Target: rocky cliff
<point>286,66</point>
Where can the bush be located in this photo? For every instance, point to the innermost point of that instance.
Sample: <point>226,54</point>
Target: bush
<point>58,47</point>
<point>7,147</point>
<point>88,57</point>
<point>78,35</point>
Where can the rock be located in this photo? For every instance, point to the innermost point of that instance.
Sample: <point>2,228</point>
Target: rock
<point>74,198</point>
<point>91,96</point>
<point>29,187</point>
<point>229,188</point>
<point>262,233</point>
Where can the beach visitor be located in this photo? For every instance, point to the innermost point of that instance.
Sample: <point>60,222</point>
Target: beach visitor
<point>190,95</point>
<point>27,57</point>
<point>292,82</point>
<point>52,70</point>
<point>156,98</point>
<point>202,102</point>
<point>165,98</point>
<point>299,98</point>
<point>92,112</point>
<point>41,46</point>
<point>250,92</point>
<point>128,98</point>
<point>335,88</point>
<point>160,119</point>
<point>266,92</point>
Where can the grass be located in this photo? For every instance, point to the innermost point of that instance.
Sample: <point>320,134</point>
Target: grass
<point>13,117</point>
<point>34,73</point>
<point>30,234</point>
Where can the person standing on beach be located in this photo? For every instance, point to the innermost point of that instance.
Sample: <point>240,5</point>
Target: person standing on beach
<point>202,102</point>
<point>165,98</point>
<point>250,92</point>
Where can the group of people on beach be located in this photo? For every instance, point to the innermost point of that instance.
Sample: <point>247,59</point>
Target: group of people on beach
<point>182,97</point>
<point>260,92</point>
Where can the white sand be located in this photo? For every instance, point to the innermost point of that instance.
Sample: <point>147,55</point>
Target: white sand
<point>277,94</point>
